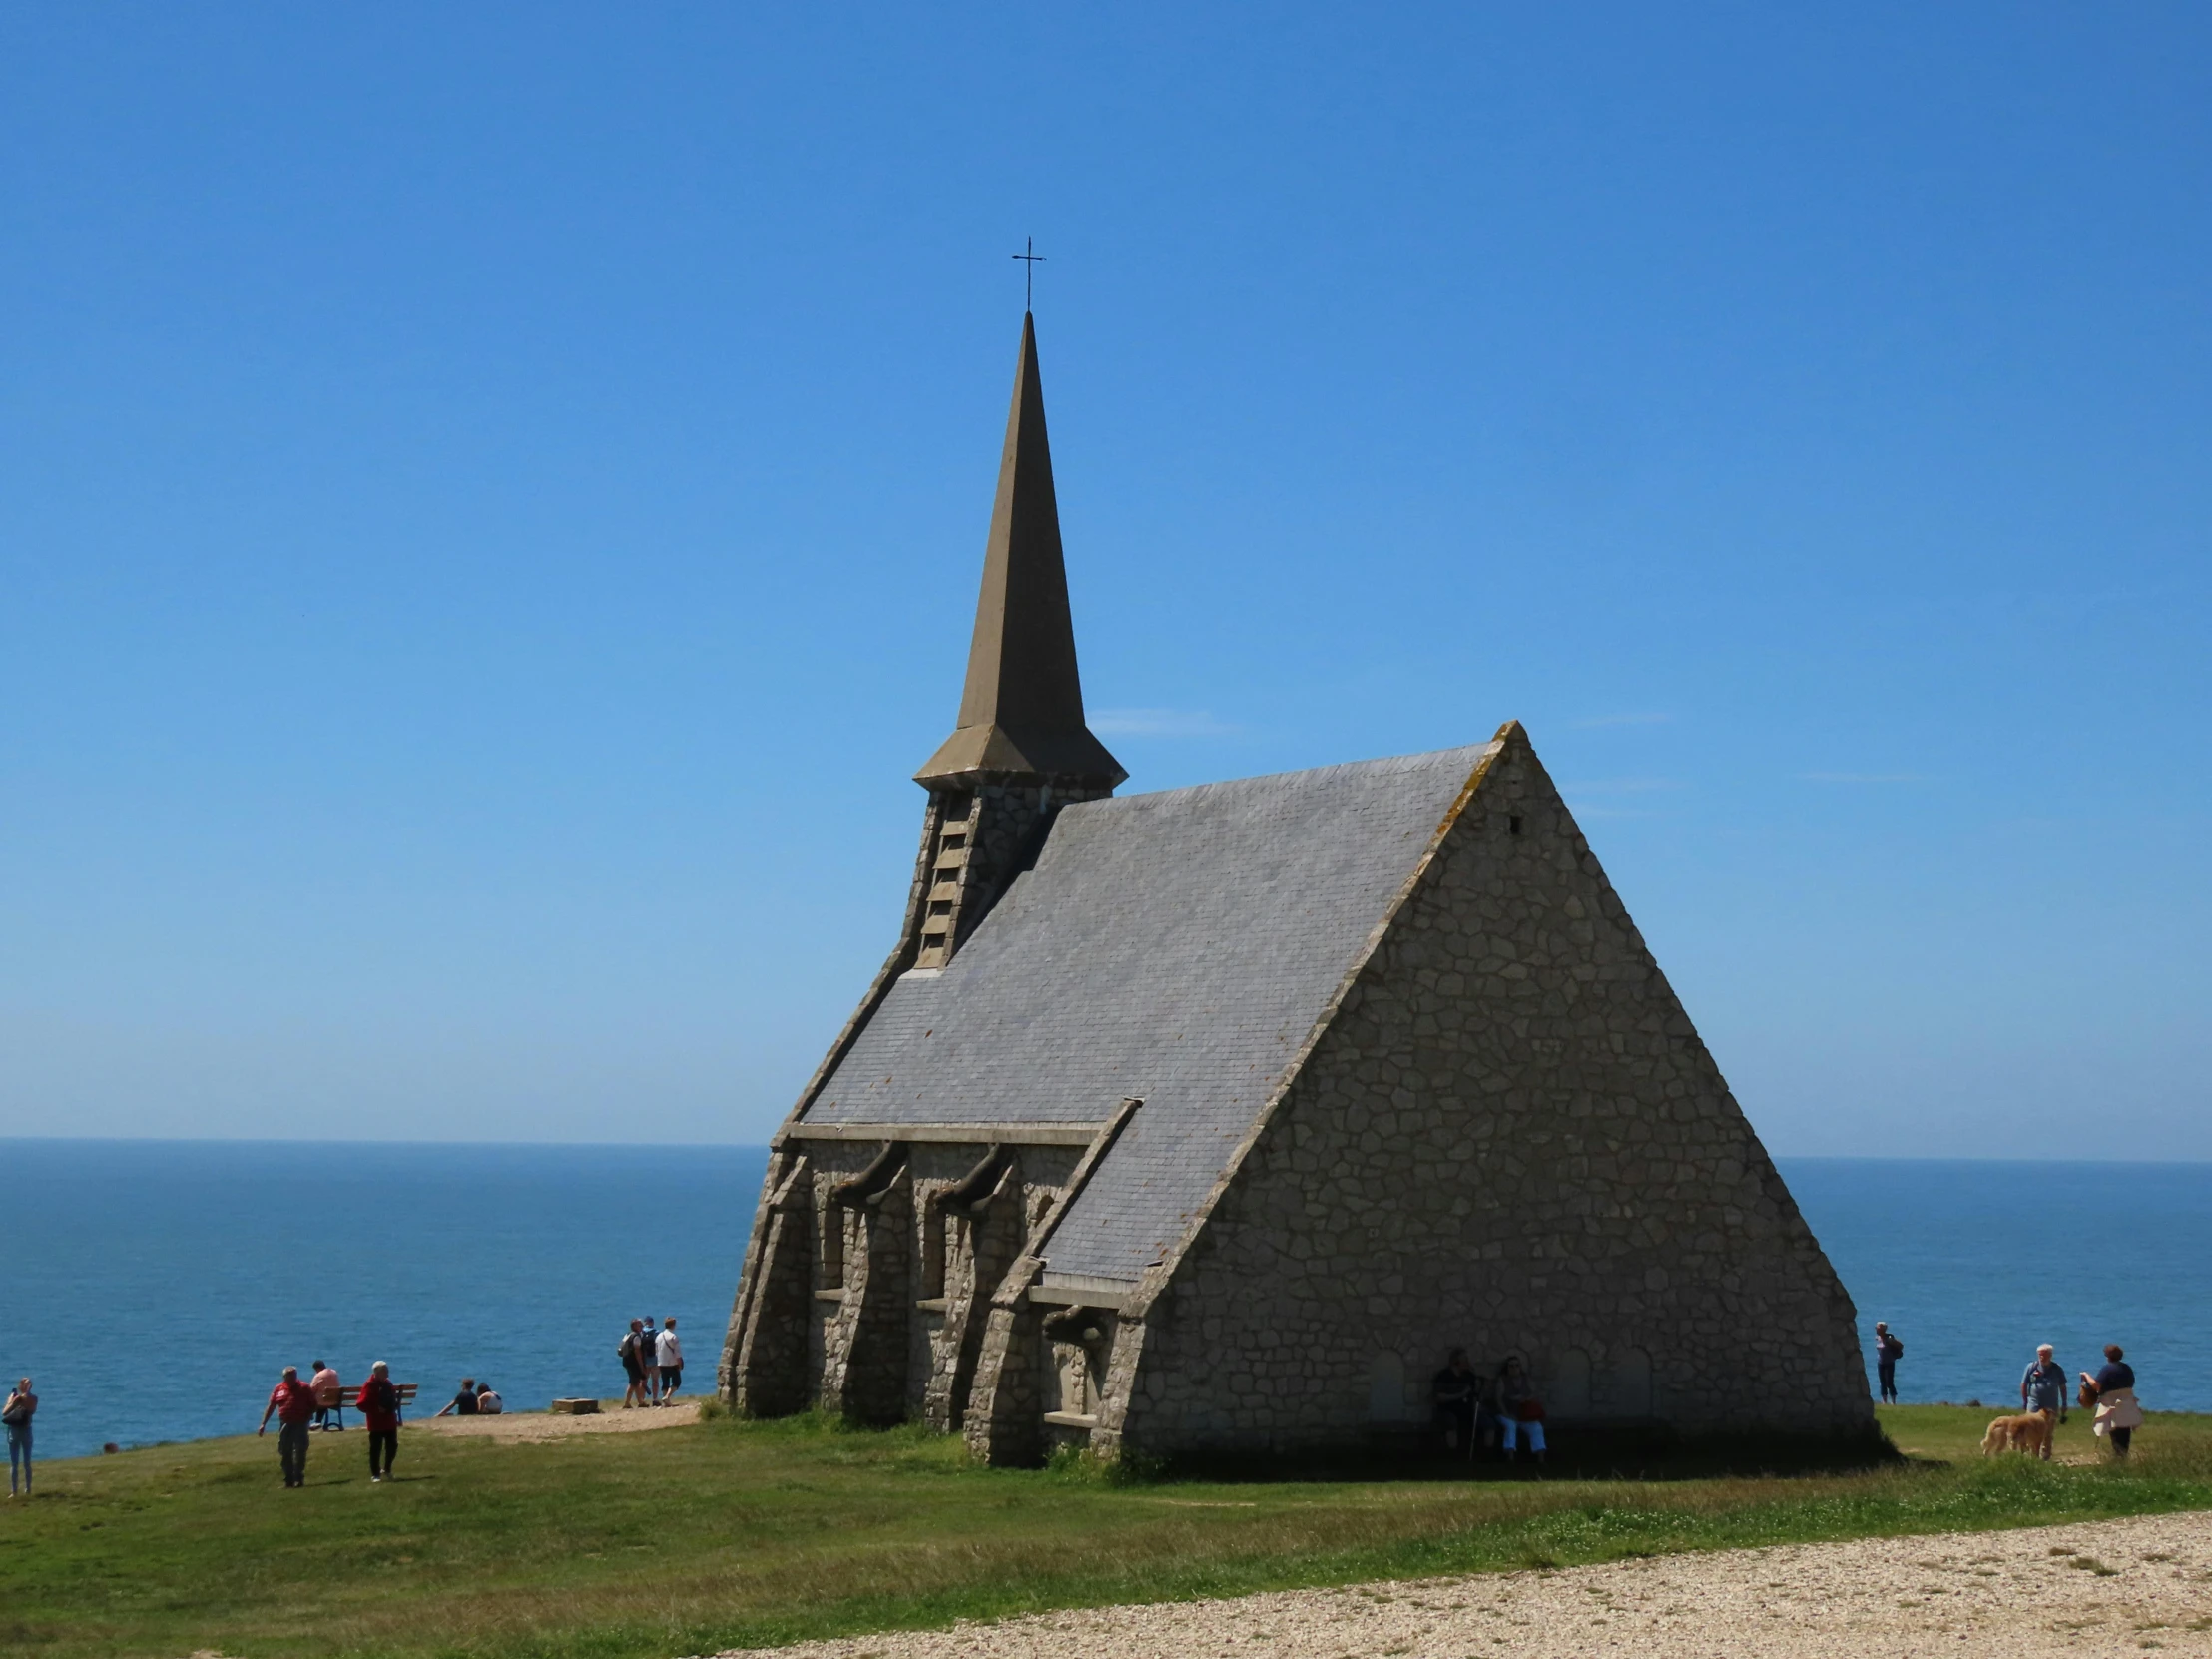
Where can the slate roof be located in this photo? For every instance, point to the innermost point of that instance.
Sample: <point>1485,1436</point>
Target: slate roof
<point>1175,946</point>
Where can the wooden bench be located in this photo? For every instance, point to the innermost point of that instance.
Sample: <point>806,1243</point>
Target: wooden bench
<point>347,1396</point>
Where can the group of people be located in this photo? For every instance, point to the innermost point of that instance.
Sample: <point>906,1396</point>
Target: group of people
<point>2111,1391</point>
<point>476,1399</point>
<point>1474,1412</point>
<point>300,1407</point>
<point>652,1363</point>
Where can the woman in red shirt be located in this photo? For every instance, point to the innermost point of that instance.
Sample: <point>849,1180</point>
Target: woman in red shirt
<point>379,1404</point>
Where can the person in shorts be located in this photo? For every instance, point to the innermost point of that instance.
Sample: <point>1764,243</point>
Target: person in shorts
<point>669,1352</point>
<point>630,1352</point>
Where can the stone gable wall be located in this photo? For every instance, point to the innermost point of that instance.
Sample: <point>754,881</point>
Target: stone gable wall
<point>1510,1139</point>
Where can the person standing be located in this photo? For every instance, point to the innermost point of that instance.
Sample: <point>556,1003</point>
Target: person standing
<point>327,1390</point>
<point>630,1351</point>
<point>670,1349</point>
<point>292,1401</point>
<point>379,1404</point>
<point>1887,1351</point>
<point>2113,1389</point>
<point>1519,1410</point>
<point>15,1416</point>
<point>2044,1389</point>
<point>649,1349</point>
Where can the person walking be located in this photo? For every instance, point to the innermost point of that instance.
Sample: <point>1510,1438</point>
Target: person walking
<point>15,1416</point>
<point>292,1401</point>
<point>670,1349</point>
<point>1519,1410</point>
<point>2044,1389</point>
<point>649,1349</point>
<point>2113,1392</point>
<point>323,1383</point>
<point>379,1404</point>
<point>630,1351</point>
<point>1887,1351</point>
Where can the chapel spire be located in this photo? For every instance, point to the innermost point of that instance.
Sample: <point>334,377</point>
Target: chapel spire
<point>1021,713</point>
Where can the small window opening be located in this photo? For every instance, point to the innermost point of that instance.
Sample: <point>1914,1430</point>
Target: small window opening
<point>829,1225</point>
<point>932,1249</point>
<point>941,908</point>
<point>1512,825</point>
<point>954,840</point>
<point>932,942</point>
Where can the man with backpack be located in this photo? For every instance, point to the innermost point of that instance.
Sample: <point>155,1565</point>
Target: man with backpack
<point>632,1352</point>
<point>1887,1351</point>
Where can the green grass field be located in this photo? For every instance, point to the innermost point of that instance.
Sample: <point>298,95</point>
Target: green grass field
<point>689,1540</point>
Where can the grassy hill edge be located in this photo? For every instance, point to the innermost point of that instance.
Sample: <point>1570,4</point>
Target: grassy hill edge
<point>690,1539</point>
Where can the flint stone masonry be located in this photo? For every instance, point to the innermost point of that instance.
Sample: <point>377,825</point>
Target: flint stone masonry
<point>1212,1119</point>
<point>1402,1075</point>
<point>1508,1138</point>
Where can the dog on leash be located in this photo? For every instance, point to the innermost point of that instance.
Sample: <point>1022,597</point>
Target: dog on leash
<point>2029,1432</point>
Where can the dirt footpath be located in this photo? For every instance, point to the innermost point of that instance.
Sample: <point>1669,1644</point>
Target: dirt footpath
<point>2111,1588</point>
<point>516,1427</point>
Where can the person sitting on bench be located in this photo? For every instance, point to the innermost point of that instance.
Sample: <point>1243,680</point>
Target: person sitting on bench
<point>1455,1391</point>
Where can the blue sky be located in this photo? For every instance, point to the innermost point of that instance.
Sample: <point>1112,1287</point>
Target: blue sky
<point>491,499</point>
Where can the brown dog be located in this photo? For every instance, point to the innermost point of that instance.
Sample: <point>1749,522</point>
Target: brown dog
<point>2029,1433</point>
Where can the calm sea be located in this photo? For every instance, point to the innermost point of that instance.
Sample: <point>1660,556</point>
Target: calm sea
<point>155,1288</point>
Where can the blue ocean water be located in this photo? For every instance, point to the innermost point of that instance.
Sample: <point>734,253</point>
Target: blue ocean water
<point>155,1288</point>
<point>1974,1263</point>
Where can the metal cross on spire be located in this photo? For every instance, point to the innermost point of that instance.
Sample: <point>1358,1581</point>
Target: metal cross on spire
<point>1029,272</point>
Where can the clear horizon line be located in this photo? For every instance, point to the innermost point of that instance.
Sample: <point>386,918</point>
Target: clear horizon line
<point>763,1146</point>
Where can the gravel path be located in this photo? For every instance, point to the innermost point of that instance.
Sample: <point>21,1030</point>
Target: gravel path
<point>2111,1588</point>
<point>511,1427</point>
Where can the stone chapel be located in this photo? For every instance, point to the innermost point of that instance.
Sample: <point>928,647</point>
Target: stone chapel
<point>1212,1119</point>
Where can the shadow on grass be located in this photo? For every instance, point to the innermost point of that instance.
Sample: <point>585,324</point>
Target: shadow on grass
<point>1640,1453</point>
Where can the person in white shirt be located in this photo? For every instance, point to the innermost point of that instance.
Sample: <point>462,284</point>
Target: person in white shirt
<point>488,1403</point>
<point>671,1354</point>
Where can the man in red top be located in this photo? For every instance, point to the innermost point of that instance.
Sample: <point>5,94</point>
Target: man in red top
<point>378,1401</point>
<point>292,1403</point>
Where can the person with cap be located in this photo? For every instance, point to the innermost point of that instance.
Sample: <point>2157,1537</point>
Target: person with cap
<point>2044,1389</point>
<point>292,1403</point>
<point>1887,1351</point>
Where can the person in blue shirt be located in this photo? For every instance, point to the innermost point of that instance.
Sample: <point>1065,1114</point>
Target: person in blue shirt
<point>2044,1389</point>
<point>2113,1390</point>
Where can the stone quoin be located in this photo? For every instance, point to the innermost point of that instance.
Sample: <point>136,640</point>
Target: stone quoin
<point>1211,1120</point>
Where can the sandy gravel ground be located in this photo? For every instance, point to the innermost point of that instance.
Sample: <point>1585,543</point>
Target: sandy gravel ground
<point>516,1427</point>
<point>2112,1587</point>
